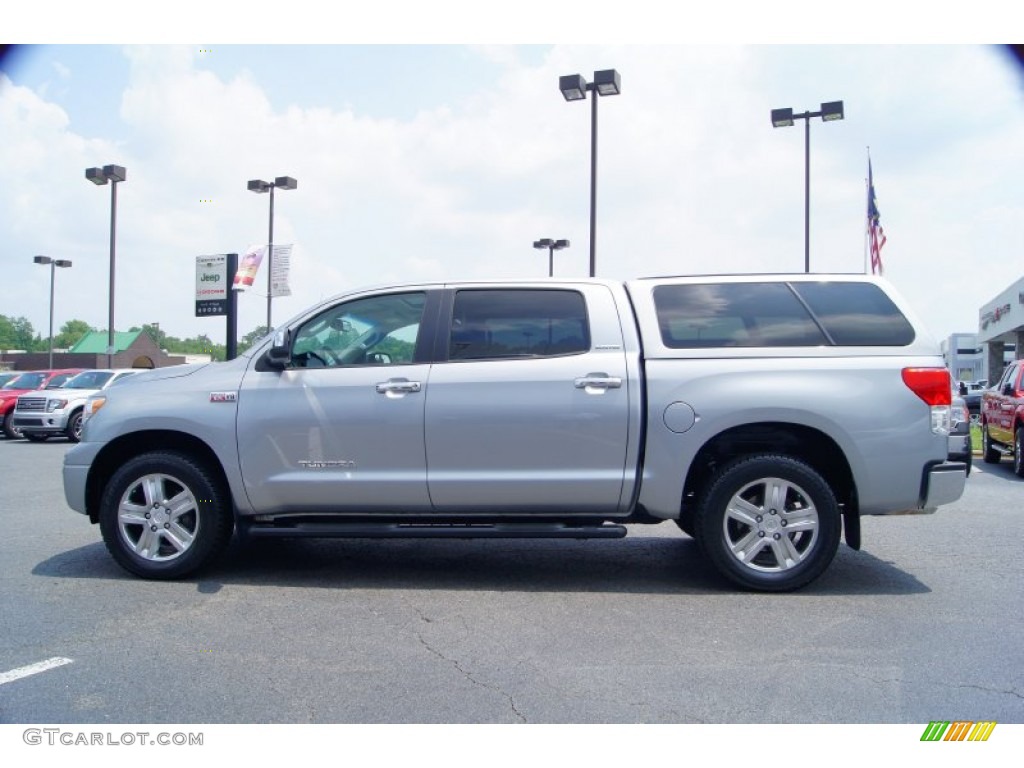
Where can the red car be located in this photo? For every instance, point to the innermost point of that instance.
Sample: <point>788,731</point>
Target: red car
<point>27,382</point>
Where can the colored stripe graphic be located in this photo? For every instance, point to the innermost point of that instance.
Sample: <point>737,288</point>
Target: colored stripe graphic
<point>958,730</point>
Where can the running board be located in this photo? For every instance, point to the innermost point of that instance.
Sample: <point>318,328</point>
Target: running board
<point>434,531</point>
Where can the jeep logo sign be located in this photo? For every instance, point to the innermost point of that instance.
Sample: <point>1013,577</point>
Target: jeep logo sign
<point>211,285</point>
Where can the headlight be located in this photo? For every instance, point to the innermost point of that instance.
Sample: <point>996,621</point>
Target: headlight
<point>92,407</point>
<point>53,405</point>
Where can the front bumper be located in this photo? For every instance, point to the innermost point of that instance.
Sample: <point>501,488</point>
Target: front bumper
<point>42,424</point>
<point>77,463</point>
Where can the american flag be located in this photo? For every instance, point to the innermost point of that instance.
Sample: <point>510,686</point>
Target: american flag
<point>876,235</point>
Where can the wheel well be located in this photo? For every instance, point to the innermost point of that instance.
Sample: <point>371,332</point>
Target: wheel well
<point>127,447</point>
<point>814,448</point>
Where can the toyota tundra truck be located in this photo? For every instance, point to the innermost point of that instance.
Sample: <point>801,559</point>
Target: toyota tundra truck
<point>764,415</point>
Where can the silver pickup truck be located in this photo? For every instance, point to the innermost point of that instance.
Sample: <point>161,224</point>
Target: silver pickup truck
<point>763,414</point>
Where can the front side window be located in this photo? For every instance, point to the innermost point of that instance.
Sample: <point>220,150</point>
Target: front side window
<point>377,330</point>
<point>511,323</point>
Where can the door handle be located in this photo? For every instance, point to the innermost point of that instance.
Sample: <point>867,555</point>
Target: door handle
<point>398,387</point>
<point>597,381</point>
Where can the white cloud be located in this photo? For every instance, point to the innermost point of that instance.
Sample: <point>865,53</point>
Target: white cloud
<point>691,177</point>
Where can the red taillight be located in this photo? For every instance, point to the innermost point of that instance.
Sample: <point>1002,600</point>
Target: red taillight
<point>932,385</point>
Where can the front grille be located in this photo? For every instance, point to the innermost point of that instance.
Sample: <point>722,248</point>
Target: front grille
<point>31,404</point>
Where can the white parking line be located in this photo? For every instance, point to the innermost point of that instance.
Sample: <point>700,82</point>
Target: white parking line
<point>32,669</point>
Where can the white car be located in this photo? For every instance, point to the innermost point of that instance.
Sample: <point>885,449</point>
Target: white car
<point>44,414</point>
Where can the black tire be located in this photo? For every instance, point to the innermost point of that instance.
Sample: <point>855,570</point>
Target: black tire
<point>152,538</point>
<point>1018,452</point>
<point>745,535</point>
<point>989,454</point>
<point>12,432</point>
<point>73,430</point>
<point>969,459</point>
<point>35,437</point>
<point>685,523</point>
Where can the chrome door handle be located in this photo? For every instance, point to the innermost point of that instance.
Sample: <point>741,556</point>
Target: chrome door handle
<point>598,381</point>
<point>398,386</point>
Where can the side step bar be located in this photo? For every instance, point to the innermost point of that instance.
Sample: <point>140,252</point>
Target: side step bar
<point>434,530</point>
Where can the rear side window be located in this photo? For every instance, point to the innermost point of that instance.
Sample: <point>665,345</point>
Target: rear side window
<point>490,324</point>
<point>857,314</point>
<point>734,315</point>
<point>779,315</point>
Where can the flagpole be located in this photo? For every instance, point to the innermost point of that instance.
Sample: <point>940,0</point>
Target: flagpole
<point>867,219</point>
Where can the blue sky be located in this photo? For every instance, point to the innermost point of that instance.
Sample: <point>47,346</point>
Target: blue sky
<point>420,160</point>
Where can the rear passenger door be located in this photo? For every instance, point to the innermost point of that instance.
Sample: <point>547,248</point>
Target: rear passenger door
<point>528,405</point>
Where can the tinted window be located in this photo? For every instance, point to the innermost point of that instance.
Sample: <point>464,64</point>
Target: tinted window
<point>857,314</point>
<point>378,330</point>
<point>87,380</point>
<point>518,323</point>
<point>26,381</point>
<point>734,315</point>
<point>58,380</point>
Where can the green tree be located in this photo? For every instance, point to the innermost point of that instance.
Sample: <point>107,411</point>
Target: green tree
<point>252,337</point>
<point>71,333</point>
<point>17,333</point>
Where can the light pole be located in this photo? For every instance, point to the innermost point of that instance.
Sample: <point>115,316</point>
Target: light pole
<point>552,246</point>
<point>99,177</point>
<point>53,264</point>
<point>574,88</point>
<point>259,186</point>
<point>832,110</point>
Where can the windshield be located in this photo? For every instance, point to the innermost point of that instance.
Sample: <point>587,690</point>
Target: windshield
<point>88,380</point>
<point>26,381</point>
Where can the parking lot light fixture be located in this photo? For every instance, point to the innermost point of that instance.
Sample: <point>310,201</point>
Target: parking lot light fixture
<point>783,118</point>
<point>552,246</point>
<point>259,187</point>
<point>100,176</point>
<point>607,82</point>
<point>53,263</point>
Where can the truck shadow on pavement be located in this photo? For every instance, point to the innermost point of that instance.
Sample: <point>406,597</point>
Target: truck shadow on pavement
<point>635,564</point>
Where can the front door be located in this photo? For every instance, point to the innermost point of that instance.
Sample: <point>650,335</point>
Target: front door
<point>341,429</point>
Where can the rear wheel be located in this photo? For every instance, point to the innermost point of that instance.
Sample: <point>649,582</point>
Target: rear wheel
<point>164,515</point>
<point>769,523</point>
<point>989,454</point>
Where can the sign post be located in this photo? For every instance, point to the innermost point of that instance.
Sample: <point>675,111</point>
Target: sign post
<point>213,296</point>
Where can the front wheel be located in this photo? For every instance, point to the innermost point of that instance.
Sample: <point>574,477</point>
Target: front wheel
<point>164,515</point>
<point>73,431</point>
<point>769,523</point>
<point>989,454</point>
<point>1018,452</point>
<point>12,432</point>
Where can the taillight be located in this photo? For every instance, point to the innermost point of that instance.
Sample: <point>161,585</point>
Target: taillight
<point>930,384</point>
<point>933,385</point>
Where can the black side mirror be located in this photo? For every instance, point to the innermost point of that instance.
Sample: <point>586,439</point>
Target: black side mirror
<point>1008,390</point>
<point>280,353</point>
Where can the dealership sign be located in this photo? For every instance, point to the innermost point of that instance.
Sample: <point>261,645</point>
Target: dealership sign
<point>211,285</point>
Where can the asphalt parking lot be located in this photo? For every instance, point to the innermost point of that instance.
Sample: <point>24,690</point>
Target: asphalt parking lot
<point>923,624</point>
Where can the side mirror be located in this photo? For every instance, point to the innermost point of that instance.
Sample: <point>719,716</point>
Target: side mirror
<point>1008,390</point>
<point>280,353</point>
